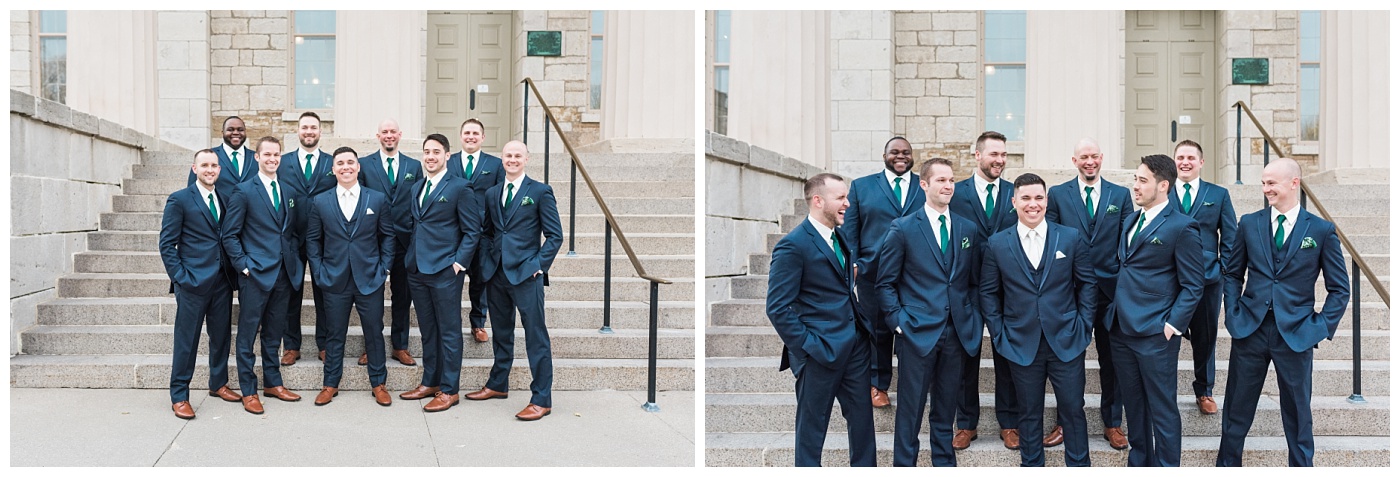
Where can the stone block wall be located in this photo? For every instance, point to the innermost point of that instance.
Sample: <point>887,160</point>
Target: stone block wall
<point>862,89</point>
<point>182,69</point>
<point>562,80</point>
<point>21,51</point>
<point>936,84</point>
<point>1271,34</point>
<point>250,61</point>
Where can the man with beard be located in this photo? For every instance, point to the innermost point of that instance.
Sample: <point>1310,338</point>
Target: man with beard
<point>1096,208</point>
<point>482,171</point>
<point>985,198</point>
<point>876,200</point>
<point>305,173</point>
<point>236,162</point>
<point>392,173</point>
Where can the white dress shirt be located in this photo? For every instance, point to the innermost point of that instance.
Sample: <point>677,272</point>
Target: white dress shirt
<point>434,181</point>
<point>1032,241</point>
<point>903,184</point>
<point>1096,194</point>
<point>228,151</point>
<point>506,190</point>
<point>396,162</point>
<point>824,232</point>
<point>933,216</point>
<point>348,198</point>
<point>267,187</point>
<point>981,186</point>
<point>1290,218</point>
<point>1150,214</point>
<point>301,158</point>
<point>1195,191</point>
<point>204,197</point>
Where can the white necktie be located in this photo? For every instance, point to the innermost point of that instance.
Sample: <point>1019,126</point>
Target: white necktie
<point>347,205</point>
<point>1033,248</point>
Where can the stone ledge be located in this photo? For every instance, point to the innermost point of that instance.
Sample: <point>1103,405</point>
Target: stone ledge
<point>59,114</point>
<point>726,149</point>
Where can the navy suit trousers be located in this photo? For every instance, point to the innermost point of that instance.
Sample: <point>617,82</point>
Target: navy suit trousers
<point>528,298</point>
<point>1249,364</point>
<point>1111,399</point>
<point>257,319</point>
<point>817,387</point>
<point>292,338</point>
<point>1146,367</point>
<point>882,363</point>
<point>400,299</point>
<point>371,310</point>
<point>211,309</point>
<point>938,375</point>
<point>1067,379</point>
<point>1204,327</point>
<point>476,291</point>
<point>440,322</point>
<point>969,407</point>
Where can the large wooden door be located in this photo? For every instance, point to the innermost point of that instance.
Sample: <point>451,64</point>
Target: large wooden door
<point>1170,83</point>
<point>469,55</point>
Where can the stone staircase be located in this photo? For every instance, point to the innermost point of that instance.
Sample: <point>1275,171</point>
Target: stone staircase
<point>749,404</point>
<point>112,322</point>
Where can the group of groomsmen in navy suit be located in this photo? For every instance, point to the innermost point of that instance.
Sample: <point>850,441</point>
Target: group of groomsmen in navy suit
<point>883,267</point>
<point>251,217</point>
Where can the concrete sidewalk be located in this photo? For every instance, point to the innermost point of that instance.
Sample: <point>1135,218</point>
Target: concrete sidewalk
<point>124,427</point>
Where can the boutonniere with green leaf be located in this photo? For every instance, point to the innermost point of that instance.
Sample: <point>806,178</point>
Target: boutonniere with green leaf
<point>966,243</point>
<point>408,177</point>
<point>330,173</point>
<point>527,201</point>
<point>1155,241</point>
<point>485,172</point>
<point>1308,243</point>
<point>1112,209</point>
<point>442,199</point>
<point>1208,204</point>
<point>291,202</point>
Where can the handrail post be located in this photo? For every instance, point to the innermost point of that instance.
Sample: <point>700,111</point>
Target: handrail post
<point>650,405</point>
<point>1266,165</point>
<point>546,153</point>
<point>525,116</point>
<point>1356,397</point>
<point>607,276</point>
<point>1239,141</point>
<point>573,207</point>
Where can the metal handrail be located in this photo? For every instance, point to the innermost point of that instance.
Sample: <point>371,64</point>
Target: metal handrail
<point>610,228</point>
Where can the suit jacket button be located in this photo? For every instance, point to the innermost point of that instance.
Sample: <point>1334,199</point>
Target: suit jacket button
<point>946,308</point>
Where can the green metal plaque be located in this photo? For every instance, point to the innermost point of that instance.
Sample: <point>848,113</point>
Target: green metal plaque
<point>544,43</point>
<point>1250,71</point>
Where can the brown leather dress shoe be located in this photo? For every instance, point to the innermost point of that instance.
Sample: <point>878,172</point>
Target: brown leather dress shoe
<point>878,398</point>
<point>486,393</point>
<point>532,413</point>
<point>403,357</point>
<point>1116,438</point>
<point>226,394</point>
<point>1011,438</point>
<point>1206,404</point>
<point>381,395</point>
<point>364,359</point>
<point>441,402</point>
<point>281,392</point>
<point>1056,437</point>
<point>480,335</point>
<point>183,410</point>
<point>963,438</point>
<point>252,404</point>
<point>321,356</point>
<point>419,392</point>
<point>324,397</point>
<point>290,357</point>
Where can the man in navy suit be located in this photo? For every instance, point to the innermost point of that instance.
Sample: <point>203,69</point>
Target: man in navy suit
<point>350,246</point>
<point>482,171</point>
<point>236,161</point>
<point>927,293</point>
<point>1159,286</point>
<point>1209,205</point>
<point>1096,208</point>
<point>518,214</point>
<point>985,198</point>
<point>306,172</point>
<point>826,341</point>
<point>446,219</point>
<point>1270,317</point>
<point>391,172</point>
<point>1038,296</point>
<point>201,279</point>
<point>262,245</point>
<point>876,200</point>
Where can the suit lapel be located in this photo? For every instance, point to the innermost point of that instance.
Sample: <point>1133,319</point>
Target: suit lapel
<point>885,188</point>
<point>926,230</point>
<point>822,244</point>
<point>1147,230</point>
<point>1294,243</point>
<point>1047,257</point>
<point>515,200</point>
<point>1014,249</point>
<point>1100,209</point>
<point>1004,194</point>
<point>354,224</point>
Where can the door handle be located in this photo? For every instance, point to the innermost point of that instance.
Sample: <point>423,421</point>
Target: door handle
<point>471,99</point>
<point>1173,132</point>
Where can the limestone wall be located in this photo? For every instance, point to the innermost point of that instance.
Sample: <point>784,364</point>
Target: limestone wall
<point>562,80</point>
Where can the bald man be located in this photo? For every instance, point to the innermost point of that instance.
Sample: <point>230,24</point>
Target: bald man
<point>393,173</point>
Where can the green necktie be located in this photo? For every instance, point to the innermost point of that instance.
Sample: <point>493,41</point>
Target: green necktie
<point>1186,199</point>
<point>943,233</point>
<point>470,167</point>
<point>308,167</point>
<point>391,171</point>
<point>1278,233</point>
<point>212,209</point>
<point>510,194</point>
<point>426,188</point>
<point>836,247</point>
<point>276,199</point>
<point>1142,218</point>
<point>1089,200</point>
<point>991,202</point>
<point>898,192</point>
<point>236,169</point>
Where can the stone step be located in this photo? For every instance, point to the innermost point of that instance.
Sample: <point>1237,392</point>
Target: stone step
<point>1359,224</point>
<point>153,372</point>
<point>674,223</point>
<point>156,339</point>
<point>98,285</point>
<point>598,173</point>
<point>1332,415</point>
<point>755,341</point>
<point>1332,378</point>
<point>776,450</point>
<point>582,265</point>
<point>184,158</point>
<point>558,314</point>
<point>609,189</point>
<point>586,205</point>
<point>1326,192</point>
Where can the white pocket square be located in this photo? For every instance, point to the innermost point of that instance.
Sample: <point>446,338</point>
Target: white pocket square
<point>1059,254</point>
<point>369,211</point>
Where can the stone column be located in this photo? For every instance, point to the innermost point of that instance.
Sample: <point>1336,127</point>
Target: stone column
<point>648,75</point>
<point>23,50</point>
<point>112,66</point>
<point>182,70</point>
<point>379,72</point>
<point>862,89</point>
<point>779,96</point>
<point>1355,115</point>
<point>1074,71</point>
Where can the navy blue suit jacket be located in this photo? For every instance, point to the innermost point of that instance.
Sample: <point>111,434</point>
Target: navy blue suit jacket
<point>1162,275</point>
<point>512,236</point>
<point>1101,234</point>
<point>407,171</point>
<point>1211,208</point>
<point>446,227</point>
<point>1286,285</point>
<point>873,207</point>
<point>228,178</point>
<point>292,178</point>
<point>967,204</point>
<point>354,255</point>
<point>1058,304</point>
<point>923,290</point>
<point>812,300</point>
<point>487,173</point>
<point>262,240</point>
<point>190,247</point>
